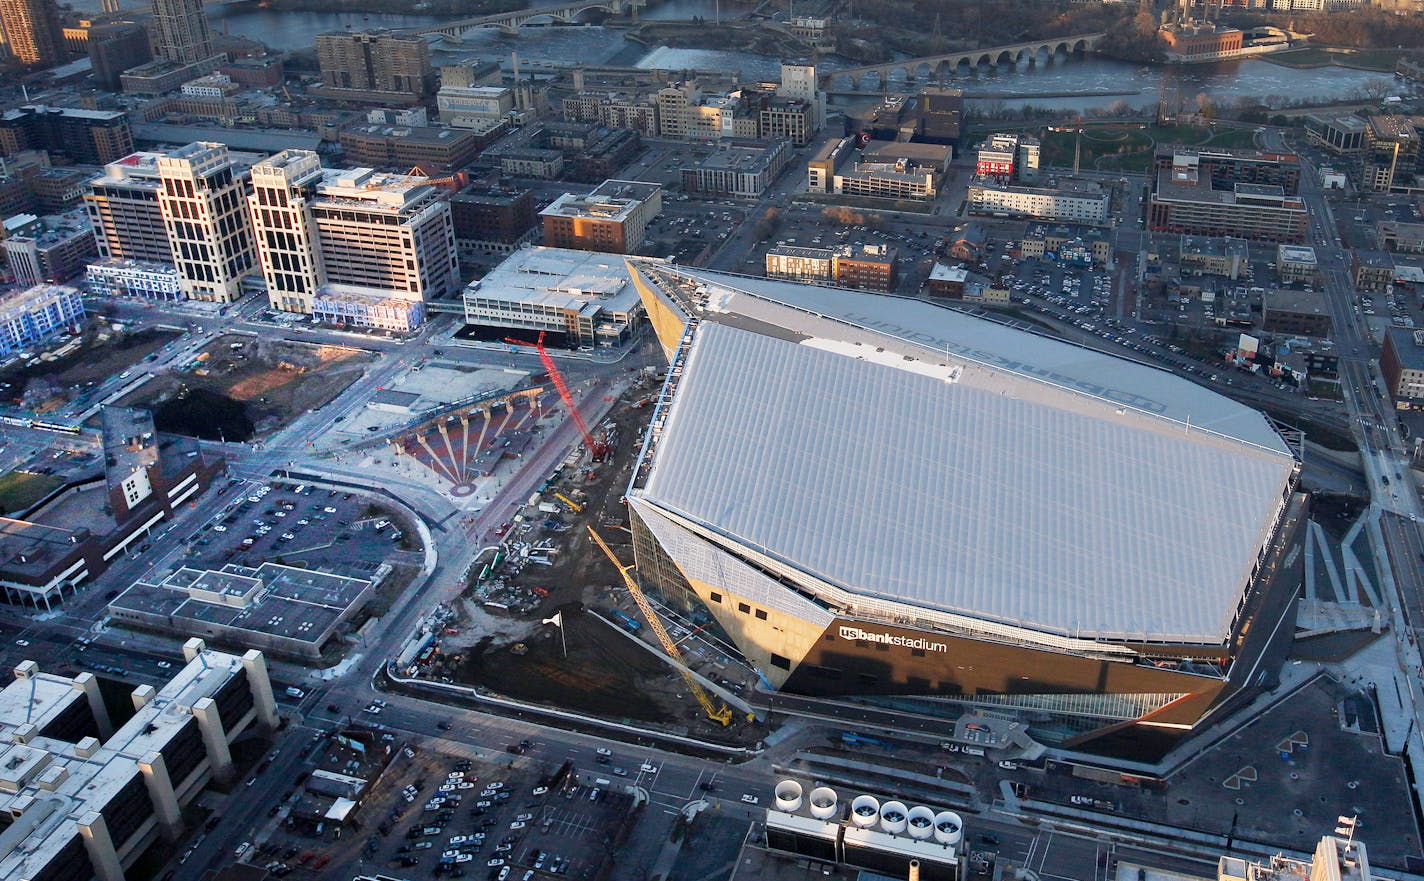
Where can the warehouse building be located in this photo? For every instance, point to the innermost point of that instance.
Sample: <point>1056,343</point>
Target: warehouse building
<point>1011,579</point>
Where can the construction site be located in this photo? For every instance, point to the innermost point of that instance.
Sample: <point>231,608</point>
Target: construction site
<point>598,658</point>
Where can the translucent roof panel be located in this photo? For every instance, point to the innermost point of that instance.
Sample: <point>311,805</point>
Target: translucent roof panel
<point>968,489</point>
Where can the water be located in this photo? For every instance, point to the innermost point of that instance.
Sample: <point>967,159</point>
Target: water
<point>1067,85</point>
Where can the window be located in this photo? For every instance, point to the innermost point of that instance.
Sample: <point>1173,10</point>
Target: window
<point>715,597</point>
<point>744,608</point>
<point>779,662</point>
<point>761,613</point>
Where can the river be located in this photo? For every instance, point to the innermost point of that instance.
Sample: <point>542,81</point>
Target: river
<point>1084,80</point>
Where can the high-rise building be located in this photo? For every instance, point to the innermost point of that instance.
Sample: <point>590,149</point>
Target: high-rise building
<point>357,233</point>
<point>382,65</point>
<point>182,32</point>
<point>1392,153</point>
<point>124,211</point>
<point>114,48</point>
<point>33,30</point>
<point>205,214</point>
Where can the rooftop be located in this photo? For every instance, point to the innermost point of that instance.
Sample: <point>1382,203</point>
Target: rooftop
<point>749,156</point>
<point>559,278</point>
<point>1215,246</point>
<point>421,133</point>
<point>613,200</point>
<point>299,604</point>
<point>130,441</point>
<point>1295,254</point>
<point>1171,493</point>
<point>1298,302</point>
<point>1408,345</point>
<point>924,154</point>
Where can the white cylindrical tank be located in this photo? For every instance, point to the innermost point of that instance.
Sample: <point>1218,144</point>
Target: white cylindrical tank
<point>823,802</point>
<point>921,822</point>
<point>788,795</point>
<point>948,828</point>
<point>892,817</point>
<point>864,810</point>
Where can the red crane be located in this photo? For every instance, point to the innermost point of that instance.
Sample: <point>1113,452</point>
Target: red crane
<point>596,448</point>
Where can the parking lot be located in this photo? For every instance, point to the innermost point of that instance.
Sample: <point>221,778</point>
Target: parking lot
<point>450,815</point>
<point>335,531</point>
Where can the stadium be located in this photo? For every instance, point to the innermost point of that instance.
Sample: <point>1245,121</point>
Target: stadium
<point>877,497</point>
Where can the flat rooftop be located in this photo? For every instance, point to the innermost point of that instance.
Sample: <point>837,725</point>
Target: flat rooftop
<point>1408,345</point>
<point>893,450</point>
<point>559,277</point>
<point>741,156</point>
<point>1298,302</point>
<point>298,604</point>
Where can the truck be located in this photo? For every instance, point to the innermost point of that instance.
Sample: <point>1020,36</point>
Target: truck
<point>549,508</point>
<point>629,623</point>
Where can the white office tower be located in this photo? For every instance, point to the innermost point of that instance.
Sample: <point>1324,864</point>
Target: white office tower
<point>351,246</point>
<point>202,200</point>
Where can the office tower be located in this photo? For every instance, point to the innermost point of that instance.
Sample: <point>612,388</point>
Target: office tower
<point>381,64</point>
<point>124,211</point>
<point>33,31</point>
<point>347,244</point>
<point>941,114</point>
<point>205,213</point>
<point>183,35</point>
<point>114,48</point>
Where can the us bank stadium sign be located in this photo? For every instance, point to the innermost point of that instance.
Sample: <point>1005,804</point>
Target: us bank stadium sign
<point>909,642</point>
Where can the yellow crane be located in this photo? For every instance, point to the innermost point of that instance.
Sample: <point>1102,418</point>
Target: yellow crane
<point>573,506</point>
<point>715,711</point>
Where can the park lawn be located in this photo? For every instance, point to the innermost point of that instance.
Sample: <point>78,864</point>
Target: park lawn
<point>20,489</point>
<point>1363,59</point>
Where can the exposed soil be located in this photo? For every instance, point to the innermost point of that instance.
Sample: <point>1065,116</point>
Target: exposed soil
<point>249,391</point>
<point>102,353</point>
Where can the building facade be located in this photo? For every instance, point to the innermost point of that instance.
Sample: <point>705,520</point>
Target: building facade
<point>181,31</point>
<point>204,206</point>
<point>89,137</point>
<point>738,168</point>
<point>375,65</point>
<point>124,211</point>
<point>613,218</point>
<point>358,231</point>
<point>32,315</point>
<point>1402,365</point>
<point>1081,206</point>
<point>434,150</point>
<point>134,278</point>
<point>52,250</point>
<point>490,219</point>
<point>32,32</point>
<point>114,48</point>
<point>1299,313</point>
<point>125,786</point>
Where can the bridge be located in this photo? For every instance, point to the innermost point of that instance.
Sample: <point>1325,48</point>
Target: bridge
<point>511,22</point>
<point>939,68</point>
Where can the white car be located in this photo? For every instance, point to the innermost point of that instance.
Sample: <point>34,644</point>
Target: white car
<point>649,768</point>
<point>219,528</point>
<point>540,790</point>
<point>605,751</point>
<point>516,825</point>
<point>164,665</point>
<point>750,799</point>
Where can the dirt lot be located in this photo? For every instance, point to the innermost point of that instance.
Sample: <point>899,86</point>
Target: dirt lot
<point>605,674</point>
<point>251,390</point>
<point>100,354</point>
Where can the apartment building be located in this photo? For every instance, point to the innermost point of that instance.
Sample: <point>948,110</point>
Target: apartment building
<point>181,31</point>
<point>795,263</point>
<point>1069,243</point>
<point>1298,313</point>
<point>377,66</point>
<point>1297,264</point>
<point>854,265</point>
<point>89,137</point>
<point>29,316</point>
<point>613,218</point>
<point>1404,238</point>
<point>123,209</point>
<point>115,48</point>
<point>350,233</point>
<point>1207,255</point>
<point>1372,271</point>
<point>202,196</point>
<point>49,250</point>
<point>134,278</point>
<point>123,787</point>
<point>32,32</point>
<point>1082,203</point>
<point>627,110</point>
<point>738,168</point>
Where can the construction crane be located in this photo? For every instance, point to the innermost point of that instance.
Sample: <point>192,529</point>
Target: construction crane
<point>717,712</point>
<point>596,448</point>
<point>573,505</point>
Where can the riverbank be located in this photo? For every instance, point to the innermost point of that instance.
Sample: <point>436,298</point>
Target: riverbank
<point>463,8</point>
<point>1382,60</point>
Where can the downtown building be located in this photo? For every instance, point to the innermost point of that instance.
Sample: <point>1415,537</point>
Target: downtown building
<point>351,246</point>
<point>971,545</point>
<point>612,218</point>
<point>1085,203</point>
<point>87,790</point>
<point>32,32</point>
<point>89,137</point>
<point>1239,194</point>
<point>374,66</point>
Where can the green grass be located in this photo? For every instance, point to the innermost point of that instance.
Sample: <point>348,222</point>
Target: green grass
<point>1129,148</point>
<point>20,489</point>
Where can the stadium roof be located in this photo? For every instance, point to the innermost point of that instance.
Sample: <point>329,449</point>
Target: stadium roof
<point>906,452</point>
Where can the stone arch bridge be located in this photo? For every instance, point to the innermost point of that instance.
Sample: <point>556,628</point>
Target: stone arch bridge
<point>938,68</point>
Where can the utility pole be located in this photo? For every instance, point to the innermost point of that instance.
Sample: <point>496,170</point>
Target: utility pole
<point>1077,150</point>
